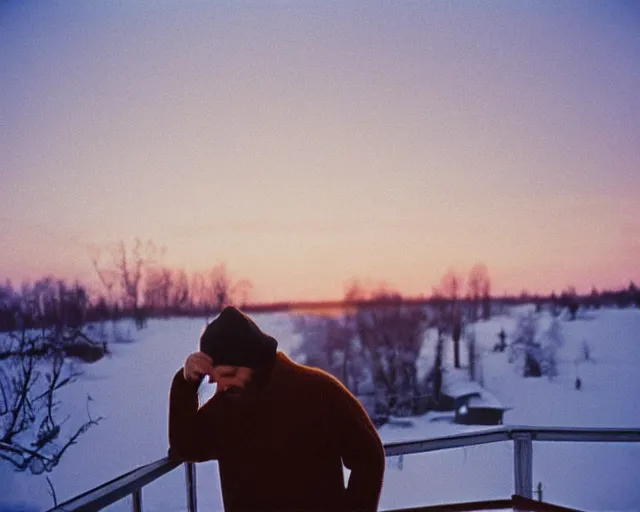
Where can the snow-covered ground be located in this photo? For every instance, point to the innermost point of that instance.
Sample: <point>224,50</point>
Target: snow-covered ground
<point>130,390</point>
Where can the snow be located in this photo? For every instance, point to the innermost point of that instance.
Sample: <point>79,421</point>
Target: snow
<point>456,384</point>
<point>130,388</point>
<point>486,399</point>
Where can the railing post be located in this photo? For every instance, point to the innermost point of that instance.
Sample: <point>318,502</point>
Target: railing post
<point>136,500</point>
<point>190,474</point>
<point>523,463</point>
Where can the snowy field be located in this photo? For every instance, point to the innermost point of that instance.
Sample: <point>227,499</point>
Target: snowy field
<point>130,390</point>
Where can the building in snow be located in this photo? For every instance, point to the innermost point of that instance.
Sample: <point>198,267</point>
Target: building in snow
<point>471,403</point>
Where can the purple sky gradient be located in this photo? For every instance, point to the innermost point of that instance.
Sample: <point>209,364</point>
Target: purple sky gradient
<point>308,143</point>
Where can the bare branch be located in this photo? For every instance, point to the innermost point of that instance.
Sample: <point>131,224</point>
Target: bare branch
<point>52,492</point>
<point>28,400</point>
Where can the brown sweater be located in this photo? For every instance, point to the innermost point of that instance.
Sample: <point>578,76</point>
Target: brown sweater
<point>282,448</point>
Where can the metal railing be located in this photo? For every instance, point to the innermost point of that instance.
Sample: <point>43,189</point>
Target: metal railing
<point>523,437</point>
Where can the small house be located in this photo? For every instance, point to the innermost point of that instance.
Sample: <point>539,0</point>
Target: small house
<point>472,404</point>
<point>480,409</point>
<point>456,389</point>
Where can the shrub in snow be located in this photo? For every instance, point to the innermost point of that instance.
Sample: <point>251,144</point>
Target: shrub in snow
<point>536,353</point>
<point>32,371</point>
<point>569,300</point>
<point>552,340</point>
<point>329,344</point>
<point>34,365</point>
<point>373,351</point>
<point>585,355</point>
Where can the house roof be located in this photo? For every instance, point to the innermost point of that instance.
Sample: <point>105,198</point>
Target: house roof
<point>456,384</point>
<point>485,401</point>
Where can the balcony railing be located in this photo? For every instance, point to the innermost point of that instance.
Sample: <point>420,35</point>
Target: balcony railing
<point>131,483</point>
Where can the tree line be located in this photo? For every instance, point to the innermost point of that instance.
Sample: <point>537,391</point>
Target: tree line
<point>374,348</point>
<point>134,283</point>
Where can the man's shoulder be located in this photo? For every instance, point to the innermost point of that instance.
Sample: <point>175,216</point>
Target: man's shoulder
<point>306,375</point>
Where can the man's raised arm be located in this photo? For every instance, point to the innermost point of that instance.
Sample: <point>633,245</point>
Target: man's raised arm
<point>194,434</point>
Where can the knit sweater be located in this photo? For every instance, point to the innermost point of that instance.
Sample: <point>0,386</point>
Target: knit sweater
<point>282,447</point>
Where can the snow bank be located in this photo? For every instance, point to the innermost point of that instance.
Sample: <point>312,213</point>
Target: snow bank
<point>130,390</point>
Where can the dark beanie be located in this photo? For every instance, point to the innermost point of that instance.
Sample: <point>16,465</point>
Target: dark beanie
<point>234,339</point>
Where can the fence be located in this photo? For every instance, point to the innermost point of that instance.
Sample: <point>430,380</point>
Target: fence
<point>523,438</point>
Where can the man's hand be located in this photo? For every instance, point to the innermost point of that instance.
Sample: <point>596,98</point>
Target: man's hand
<point>198,365</point>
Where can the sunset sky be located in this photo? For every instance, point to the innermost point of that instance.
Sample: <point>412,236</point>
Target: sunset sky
<point>304,144</point>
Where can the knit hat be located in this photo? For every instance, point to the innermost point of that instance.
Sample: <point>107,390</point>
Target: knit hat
<point>234,339</point>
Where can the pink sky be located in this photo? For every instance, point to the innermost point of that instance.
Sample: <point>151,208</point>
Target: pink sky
<point>306,144</point>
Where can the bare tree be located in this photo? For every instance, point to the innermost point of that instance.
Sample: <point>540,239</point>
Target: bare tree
<point>472,351</point>
<point>392,333</point>
<point>535,351</point>
<point>325,344</point>
<point>456,334</point>
<point>474,286</point>
<point>223,291</point>
<point>220,287</point>
<point>179,293</point>
<point>167,291</point>
<point>594,301</point>
<point>126,269</point>
<point>569,300</point>
<point>197,294</point>
<point>108,276</point>
<point>32,371</point>
<point>434,379</point>
<point>450,287</point>
<point>479,292</point>
<point>131,269</point>
<point>486,300</point>
<point>372,348</point>
<point>157,289</point>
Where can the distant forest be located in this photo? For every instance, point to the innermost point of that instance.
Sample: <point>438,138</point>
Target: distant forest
<point>136,284</point>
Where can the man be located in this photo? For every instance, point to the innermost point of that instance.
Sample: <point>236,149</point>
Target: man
<point>279,430</point>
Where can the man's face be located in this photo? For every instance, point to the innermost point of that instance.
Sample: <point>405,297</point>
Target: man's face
<point>232,380</point>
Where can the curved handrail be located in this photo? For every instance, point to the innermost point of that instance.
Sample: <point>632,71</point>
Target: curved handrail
<point>118,488</point>
<point>132,481</point>
<point>509,433</point>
